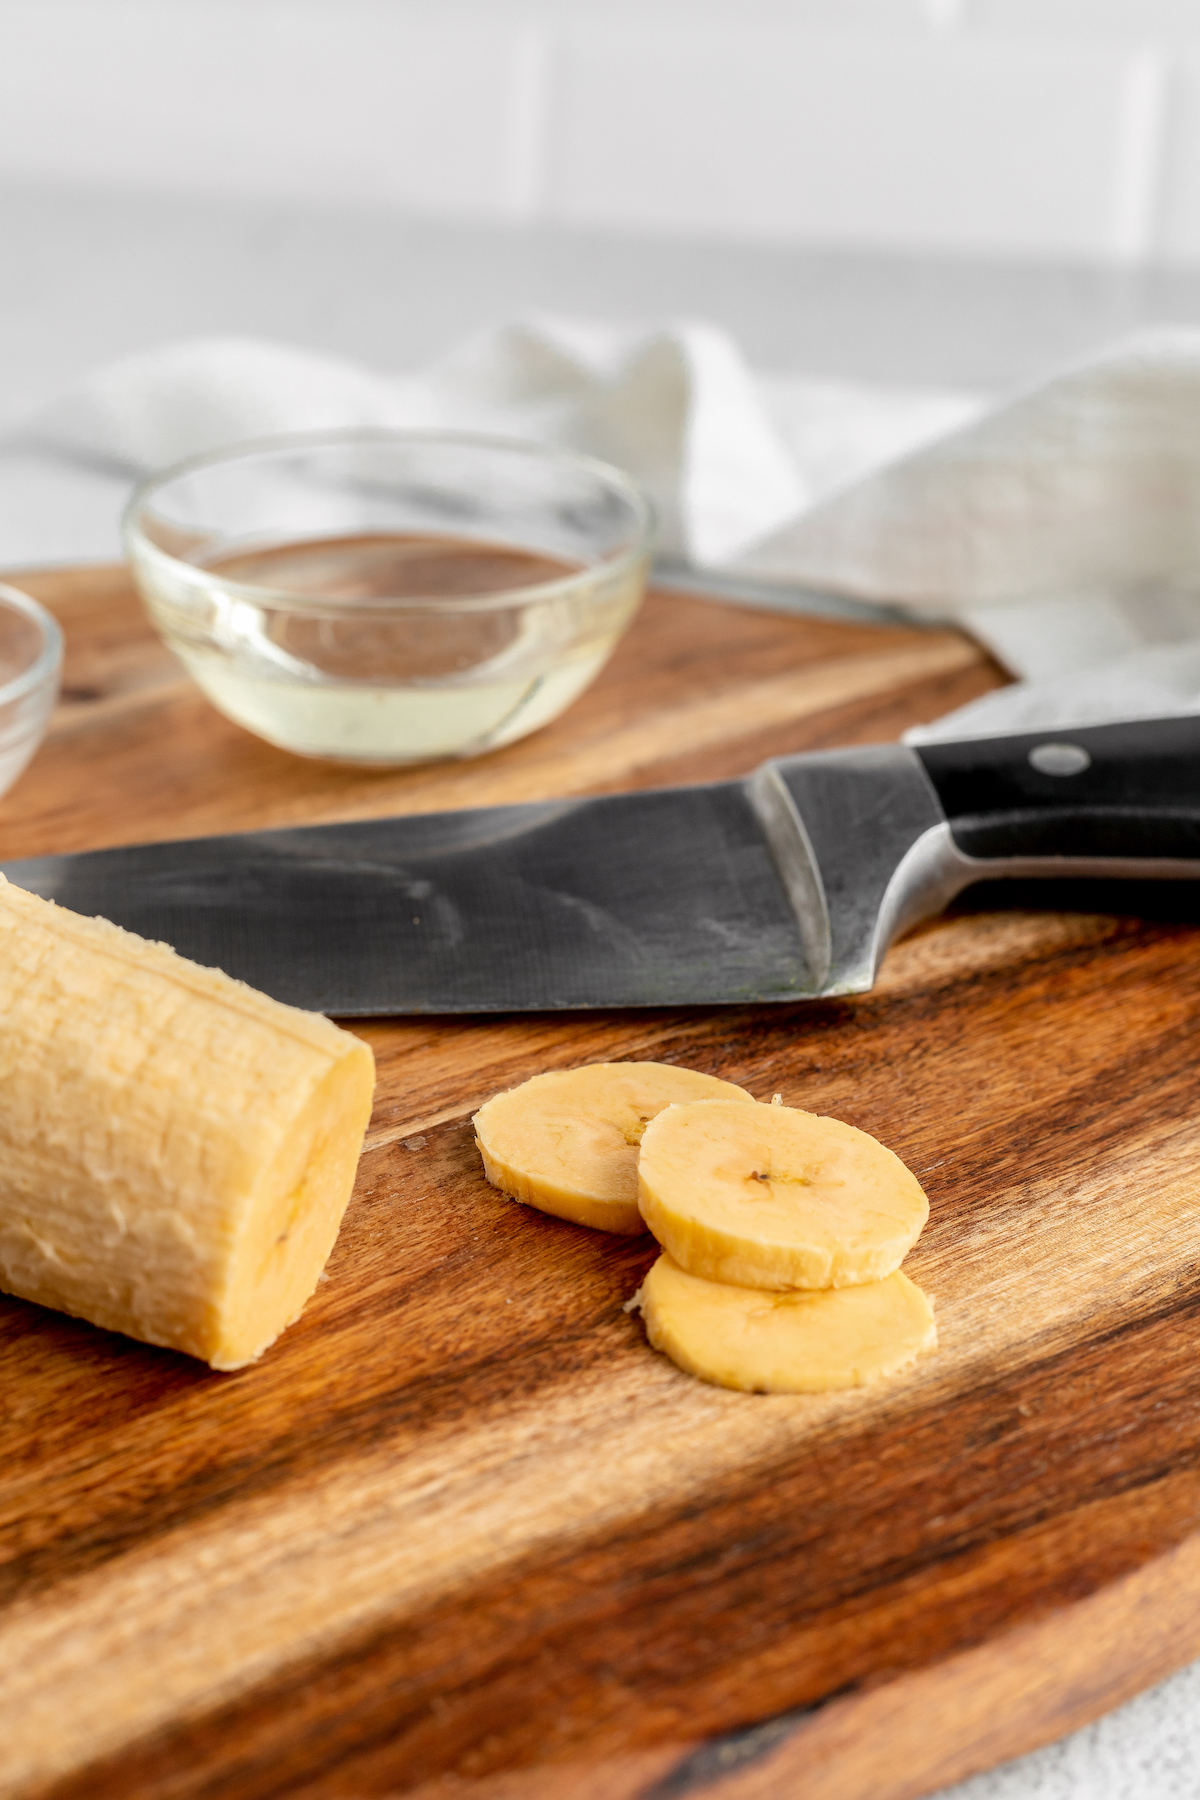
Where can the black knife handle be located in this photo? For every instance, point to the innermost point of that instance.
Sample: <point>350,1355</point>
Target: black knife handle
<point>1128,790</point>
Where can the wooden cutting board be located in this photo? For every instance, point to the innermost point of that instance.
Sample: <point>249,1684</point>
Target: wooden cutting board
<point>462,1533</point>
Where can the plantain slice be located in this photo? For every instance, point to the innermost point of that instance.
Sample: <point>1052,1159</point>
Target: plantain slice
<point>794,1343</point>
<point>567,1142</point>
<point>770,1197</point>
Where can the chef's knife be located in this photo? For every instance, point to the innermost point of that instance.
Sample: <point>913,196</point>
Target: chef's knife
<point>786,885</point>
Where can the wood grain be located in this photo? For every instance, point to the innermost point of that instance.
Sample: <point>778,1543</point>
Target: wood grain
<point>462,1531</point>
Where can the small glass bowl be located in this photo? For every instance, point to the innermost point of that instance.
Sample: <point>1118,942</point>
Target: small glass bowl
<point>390,597</point>
<point>31,650</point>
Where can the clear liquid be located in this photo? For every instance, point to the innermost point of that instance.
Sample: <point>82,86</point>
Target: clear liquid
<point>418,669</point>
<point>14,757</point>
<point>22,722</point>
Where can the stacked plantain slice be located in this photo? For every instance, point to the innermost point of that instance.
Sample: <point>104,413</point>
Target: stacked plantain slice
<point>782,1231</point>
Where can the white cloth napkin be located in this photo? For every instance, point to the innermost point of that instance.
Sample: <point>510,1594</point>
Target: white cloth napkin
<point>677,408</point>
<point>1061,527</point>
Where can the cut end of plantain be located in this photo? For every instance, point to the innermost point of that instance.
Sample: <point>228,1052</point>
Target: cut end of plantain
<point>785,1343</point>
<point>567,1142</point>
<point>176,1150</point>
<point>771,1197</point>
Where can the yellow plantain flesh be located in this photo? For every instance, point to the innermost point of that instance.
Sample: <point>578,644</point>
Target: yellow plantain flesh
<point>567,1141</point>
<point>176,1150</point>
<point>802,1342</point>
<point>771,1197</point>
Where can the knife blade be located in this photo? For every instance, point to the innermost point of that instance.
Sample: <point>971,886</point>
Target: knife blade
<point>786,885</point>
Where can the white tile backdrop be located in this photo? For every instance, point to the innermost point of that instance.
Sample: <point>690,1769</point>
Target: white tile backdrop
<point>946,143</point>
<point>1060,129</point>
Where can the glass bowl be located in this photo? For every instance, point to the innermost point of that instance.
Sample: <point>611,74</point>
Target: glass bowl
<point>388,597</point>
<point>31,650</point>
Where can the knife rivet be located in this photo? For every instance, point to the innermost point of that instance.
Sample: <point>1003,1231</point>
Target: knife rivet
<point>1060,759</point>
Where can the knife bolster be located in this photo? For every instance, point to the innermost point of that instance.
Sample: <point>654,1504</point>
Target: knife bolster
<point>869,822</point>
<point>792,853</point>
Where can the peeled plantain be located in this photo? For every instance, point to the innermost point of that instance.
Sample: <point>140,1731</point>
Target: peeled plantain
<point>770,1197</point>
<point>567,1142</point>
<point>176,1150</point>
<point>785,1343</point>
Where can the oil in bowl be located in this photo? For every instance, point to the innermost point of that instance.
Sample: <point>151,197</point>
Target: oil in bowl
<point>389,597</point>
<point>31,654</point>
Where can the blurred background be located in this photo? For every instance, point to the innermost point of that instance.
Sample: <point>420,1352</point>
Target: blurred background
<point>956,191</point>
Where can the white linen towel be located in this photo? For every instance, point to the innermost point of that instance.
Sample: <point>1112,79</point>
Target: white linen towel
<point>1061,527</point>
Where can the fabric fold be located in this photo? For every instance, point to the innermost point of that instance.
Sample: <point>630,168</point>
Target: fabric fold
<point>1061,527</point>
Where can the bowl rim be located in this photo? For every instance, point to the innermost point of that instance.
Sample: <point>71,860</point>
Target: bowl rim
<point>137,544</point>
<point>47,664</point>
